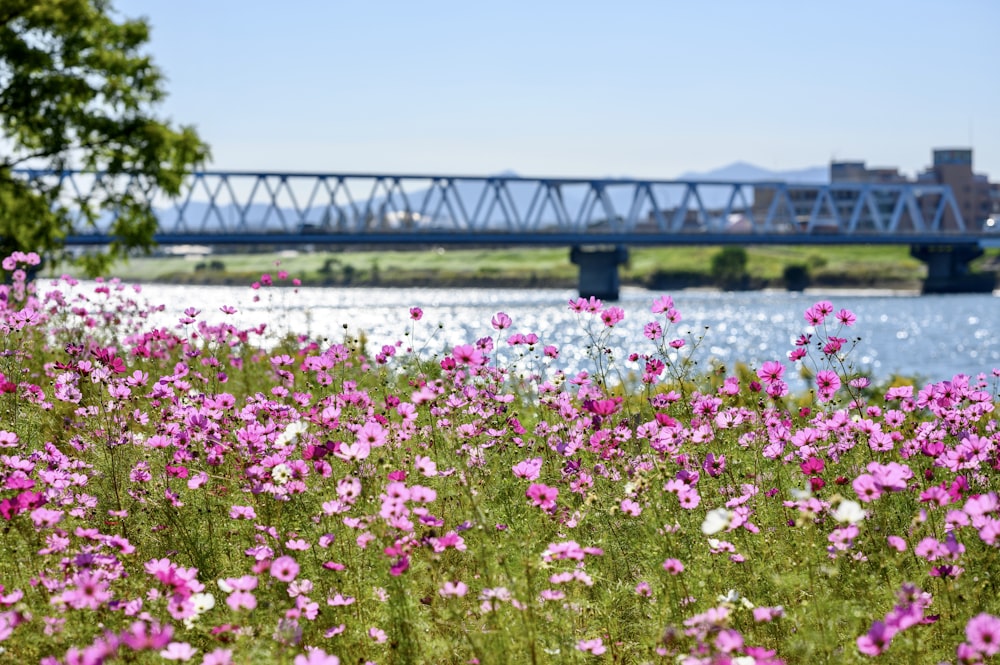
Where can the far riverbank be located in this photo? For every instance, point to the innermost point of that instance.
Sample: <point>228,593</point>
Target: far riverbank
<point>660,269</point>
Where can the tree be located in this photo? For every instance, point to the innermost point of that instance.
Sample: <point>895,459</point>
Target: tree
<point>77,92</point>
<point>729,267</point>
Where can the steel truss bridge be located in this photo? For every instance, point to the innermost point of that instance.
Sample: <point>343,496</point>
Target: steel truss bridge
<point>324,209</point>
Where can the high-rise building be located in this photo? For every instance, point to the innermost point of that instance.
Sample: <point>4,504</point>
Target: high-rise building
<point>953,167</point>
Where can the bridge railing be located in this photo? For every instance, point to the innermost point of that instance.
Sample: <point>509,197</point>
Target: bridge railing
<point>361,207</point>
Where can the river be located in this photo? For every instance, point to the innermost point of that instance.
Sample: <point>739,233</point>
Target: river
<point>926,337</point>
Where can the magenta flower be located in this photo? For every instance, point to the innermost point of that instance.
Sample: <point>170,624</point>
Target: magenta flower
<point>771,371</point>
<point>876,640</point>
<point>543,496</point>
<point>612,315</point>
<point>714,466</point>
<point>846,317</point>
<point>816,314</point>
<point>827,383</point>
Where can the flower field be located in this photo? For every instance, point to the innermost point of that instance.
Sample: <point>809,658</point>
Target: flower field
<point>204,493</point>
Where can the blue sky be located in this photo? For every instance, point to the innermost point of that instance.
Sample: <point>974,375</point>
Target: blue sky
<point>645,89</point>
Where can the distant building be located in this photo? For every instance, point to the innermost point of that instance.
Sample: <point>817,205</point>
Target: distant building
<point>858,172</point>
<point>953,167</point>
<point>976,197</point>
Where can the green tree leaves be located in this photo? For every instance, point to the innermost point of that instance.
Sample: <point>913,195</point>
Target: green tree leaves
<point>77,92</point>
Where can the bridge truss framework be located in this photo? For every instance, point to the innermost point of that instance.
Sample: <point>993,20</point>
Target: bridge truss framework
<point>598,218</point>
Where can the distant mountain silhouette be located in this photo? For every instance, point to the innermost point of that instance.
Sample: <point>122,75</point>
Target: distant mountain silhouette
<point>753,173</point>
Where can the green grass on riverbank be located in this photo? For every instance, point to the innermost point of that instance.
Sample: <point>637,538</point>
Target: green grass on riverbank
<point>660,267</point>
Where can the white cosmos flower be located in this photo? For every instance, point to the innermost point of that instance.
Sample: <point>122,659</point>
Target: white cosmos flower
<point>731,596</point>
<point>716,521</point>
<point>202,602</point>
<point>291,434</point>
<point>281,473</point>
<point>849,511</point>
<point>802,495</point>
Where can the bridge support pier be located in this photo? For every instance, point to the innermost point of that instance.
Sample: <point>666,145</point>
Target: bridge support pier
<point>598,270</point>
<point>948,269</point>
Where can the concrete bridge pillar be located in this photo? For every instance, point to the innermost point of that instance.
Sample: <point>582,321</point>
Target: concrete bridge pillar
<point>948,269</point>
<point>598,270</point>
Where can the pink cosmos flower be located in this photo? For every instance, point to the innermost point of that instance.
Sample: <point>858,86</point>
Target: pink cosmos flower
<point>181,651</point>
<point>340,600</point>
<point>352,452</point>
<point>827,383</point>
<point>284,569</point>
<point>316,656</point>
<point>612,315</point>
<point>983,633</point>
<point>594,646</point>
<point>528,469</point>
<point>728,640</point>
<point>467,354</point>
<point>241,600</point>
<point>416,313</point>
<point>876,640</point>
<point>218,657</point>
<point>662,304</point>
<point>630,507</point>
<point>866,487</point>
<point>822,309</point>
<point>501,321</point>
<point>673,566</point>
<point>457,589</point>
<point>372,434</point>
<point>543,496</point>
<point>768,614</point>
<point>771,371</point>
<point>846,317</point>
<point>140,636</point>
